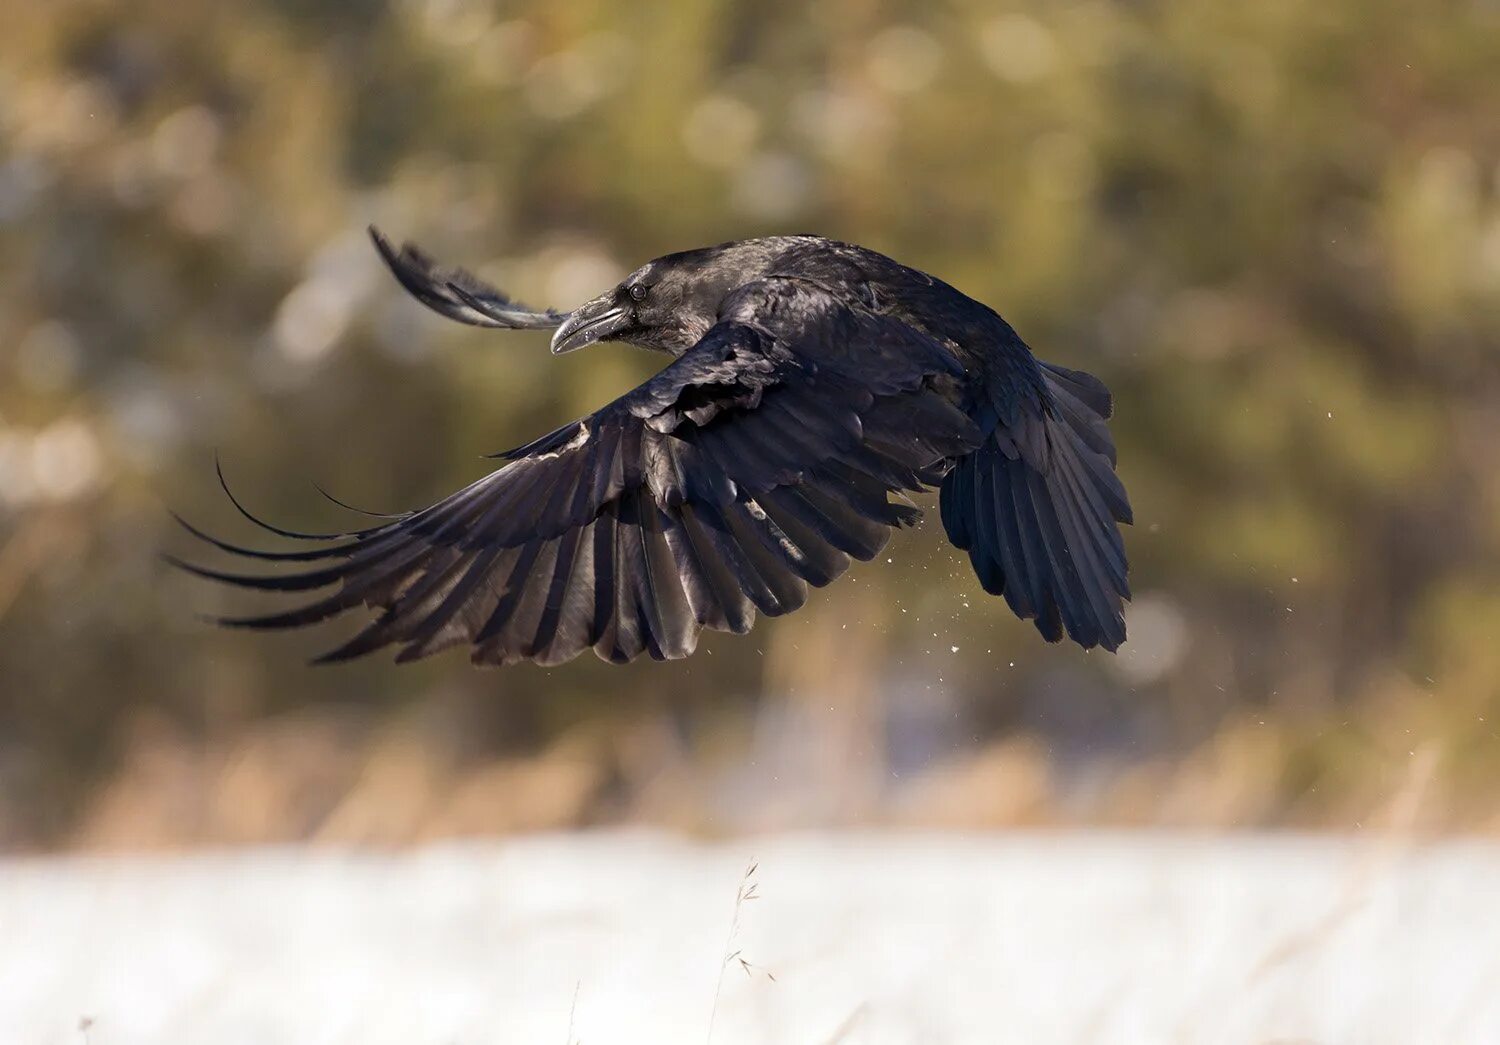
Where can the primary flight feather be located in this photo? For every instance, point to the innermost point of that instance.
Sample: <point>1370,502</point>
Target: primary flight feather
<point>813,385</point>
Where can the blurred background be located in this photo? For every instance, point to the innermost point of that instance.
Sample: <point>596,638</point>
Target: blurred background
<point>1272,228</point>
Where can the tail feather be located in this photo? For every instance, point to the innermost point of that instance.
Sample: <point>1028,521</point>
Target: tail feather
<point>1038,508</point>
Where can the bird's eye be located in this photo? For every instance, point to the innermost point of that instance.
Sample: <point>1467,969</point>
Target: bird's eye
<point>638,291</point>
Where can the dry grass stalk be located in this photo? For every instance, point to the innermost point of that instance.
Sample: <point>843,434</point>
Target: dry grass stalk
<point>573,1012</point>
<point>748,890</point>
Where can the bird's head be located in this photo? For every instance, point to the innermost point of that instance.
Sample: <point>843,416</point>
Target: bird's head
<point>667,304</point>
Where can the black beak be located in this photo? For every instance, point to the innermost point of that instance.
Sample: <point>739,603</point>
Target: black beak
<point>592,321</point>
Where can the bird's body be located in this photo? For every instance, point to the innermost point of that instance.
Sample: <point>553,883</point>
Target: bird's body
<point>811,381</point>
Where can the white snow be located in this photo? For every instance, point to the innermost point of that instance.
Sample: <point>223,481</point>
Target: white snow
<point>871,938</point>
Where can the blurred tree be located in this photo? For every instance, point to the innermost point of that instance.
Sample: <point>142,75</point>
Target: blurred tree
<point>1274,229</point>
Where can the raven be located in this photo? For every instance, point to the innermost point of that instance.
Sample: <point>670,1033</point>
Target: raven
<point>813,384</point>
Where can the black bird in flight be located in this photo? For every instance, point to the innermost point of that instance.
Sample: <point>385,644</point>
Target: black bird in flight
<point>813,384</point>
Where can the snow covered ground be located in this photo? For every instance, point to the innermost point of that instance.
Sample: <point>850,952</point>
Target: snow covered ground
<point>871,938</point>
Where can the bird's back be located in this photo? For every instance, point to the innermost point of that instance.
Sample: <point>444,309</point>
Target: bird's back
<point>884,285</point>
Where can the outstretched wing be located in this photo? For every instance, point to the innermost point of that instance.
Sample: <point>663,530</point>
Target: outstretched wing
<point>754,465</point>
<point>458,293</point>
